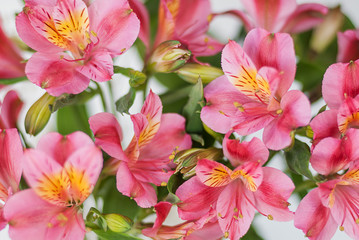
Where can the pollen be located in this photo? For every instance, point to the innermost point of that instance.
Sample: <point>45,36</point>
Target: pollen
<point>279,111</point>
<point>240,215</point>
<point>93,33</point>
<point>341,228</point>
<point>163,184</point>
<point>270,217</point>
<point>49,225</point>
<point>357,221</point>
<point>219,215</point>
<point>235,209</point>
<point>239,106</point>
<point>226,234</point>
<point>61,217</point>
<point>206,39</point>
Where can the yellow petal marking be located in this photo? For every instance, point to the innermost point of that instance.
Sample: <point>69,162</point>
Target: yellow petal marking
<point>80,185</point>
<point>219,176</point>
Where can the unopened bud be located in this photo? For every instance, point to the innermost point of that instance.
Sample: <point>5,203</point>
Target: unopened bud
<point>168,57</point>
<point>39,114</point>
<point>191,71</point>
<point>326,31</point>
<point>118,223</point>
<point>186,160</point>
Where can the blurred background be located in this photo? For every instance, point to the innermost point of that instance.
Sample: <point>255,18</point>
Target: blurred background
<point>222,28</point>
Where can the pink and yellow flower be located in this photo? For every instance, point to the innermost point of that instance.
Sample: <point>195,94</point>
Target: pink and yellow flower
<point>146,160</point>
<point>75,43</point>
<point>61,171</point>
<point>254,94</point>
<point>280,15</point>
<point>236,194</point>
<point>10,167</point>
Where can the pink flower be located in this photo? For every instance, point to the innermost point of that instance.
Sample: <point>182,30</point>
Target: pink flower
<point>334,203</point>
<point>141,11</point>
<point>254,94</point>
<point>280,15</point>
<point>61,171</point>
<point>11,65</point>
<point>10,167</point>
<point>146,160</point>
<point>339,82</point>
<point>75,43</point>
<point>9,110</point>
<point>348,43</point>
<point>187,21</point>
<point>205,228</point>
<point>236,194</point>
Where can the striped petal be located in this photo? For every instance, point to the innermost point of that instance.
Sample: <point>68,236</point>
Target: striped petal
<point>213,174</point>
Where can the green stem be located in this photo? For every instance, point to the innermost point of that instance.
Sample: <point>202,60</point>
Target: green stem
<point>99,90</point>
<point>306,185</point>
<point>113,109</point>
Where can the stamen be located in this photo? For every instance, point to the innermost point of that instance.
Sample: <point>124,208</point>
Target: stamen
<point>226,234</point>
<point>239,106</point>
<point>270,217</point>
<point>163,184</point>
<point>279,111</point>
<point>341,228</point>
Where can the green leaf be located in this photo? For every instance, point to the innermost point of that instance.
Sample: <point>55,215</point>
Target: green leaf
<point>171,80</point>
<point>12,80</point>
<point>109,235</point>
<point>197,138</point>
<point>174,182</point>
<point>175,100</point>
<point>73,118</point>
<point>193,108</point>
<point>124,104</point>
<point>114,201</point>
<point>298,159</point>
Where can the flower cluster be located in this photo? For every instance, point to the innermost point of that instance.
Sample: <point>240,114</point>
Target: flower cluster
<point>189,147</point>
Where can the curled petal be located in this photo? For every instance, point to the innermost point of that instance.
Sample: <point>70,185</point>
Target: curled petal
<point>10,110</point>
<point>239,152</point>
<point>162,209</point>
<point>56,75</point>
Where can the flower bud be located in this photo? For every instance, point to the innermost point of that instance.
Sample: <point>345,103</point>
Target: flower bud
<point>168,57</point>
<point>39,114</point>
<point>326,31</point>
<point>191,71</point>
<point>118,223</point>
<point>186,160</point>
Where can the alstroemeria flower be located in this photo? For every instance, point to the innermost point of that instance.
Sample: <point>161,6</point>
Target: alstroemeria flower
<point>75,43</point>
<point>236,194</point>
<point>10,167</point>
<point>254,94</point>
<point>9,110</point>
<point>204,228</point>
<point>334,203</point>
<point>61,171</point>
<point>146,160</point>
<point>141,11</point>
<point>11,65</point>
<point>348,46</point>
<point>280,15</point>
<point>187,21</point>
<point>339,82</point>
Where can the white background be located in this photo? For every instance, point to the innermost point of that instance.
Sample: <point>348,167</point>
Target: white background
<point>270,230</point>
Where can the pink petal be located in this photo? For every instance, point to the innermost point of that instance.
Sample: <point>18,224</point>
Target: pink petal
<point>86,161</point>
<point>155,171</point>
<point>31,37</point>
<point>296,113</point>
<point>54,74</point>
<point>61,147</point>
<point>10,110</point>
<point>340,82</point>
<point>270,15</point>
<point>143,193</point>
<point>74,227</point>
<point>235,210</point>
<point>162,209</point>
<point>328,156</point>
<point>220,95</point>
<point>240,152</point>
<point>3,221</point>
<point>108,134</point>
<point>348,114</point>
<point>170,136</point>
<point>325,125</point>
<point>203,45</point>
<point>272,50</point>
<point>166,22</point>
<point>99,67</point>
<point>141,11</point>
<point>29,215</point>
<point>10,162</point>
<point>345,208</point>
<point>314,219</point>
<point>196,198</point>
<point>348,43</point>
<point>245,19</point>
<point>213,174</point>
<point>104,14</point>
<point>273,193</point>
<point>305,17</point>
<point>250,173</point>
